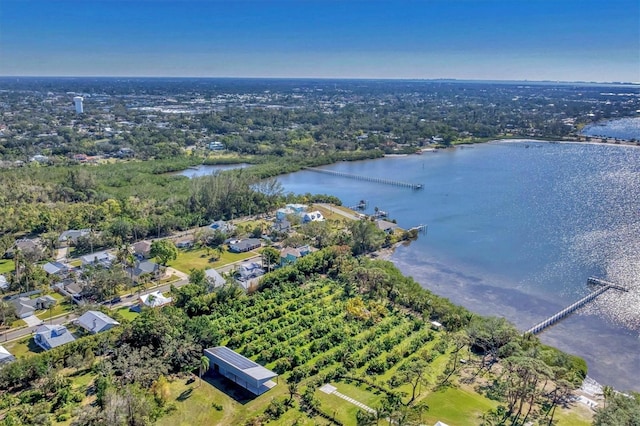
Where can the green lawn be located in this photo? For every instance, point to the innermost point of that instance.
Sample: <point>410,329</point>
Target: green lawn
<point>6,265</point>
<point>59,309</point>
<point>22,347</point>
<point>199,259</point>
<point>126,313</point>
<point>456,406</point>
<point>194,405</point>
<point>345,411</point>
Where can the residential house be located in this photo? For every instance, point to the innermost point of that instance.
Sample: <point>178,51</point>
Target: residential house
<point>184,242</point>
<point>289,255</point>
<point>240,370</point>
<point>96,322</point>
<point>222,226</point>
<point>154,299</point>
<point>70,288</point>
<point>298,208</point>
<point>314,216</point>
<point>26,245</point>
<point>281,226</point>
<point>281,214</point>
<point>71,236</point>
<point>142,249</point>
<point>102,258</point>
<point>216,146</point>
<point>55,268</point>
<point>26,307</point>
<point>144,268</point>
<point>52,336</point>
<point>215,278</point>
<point>5,356</point>
<point>386,226</point>
<point>4,284</point>
<point>241,246</point>
<point>248,270</point>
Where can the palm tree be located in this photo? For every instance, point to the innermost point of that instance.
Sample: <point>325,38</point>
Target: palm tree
<point>607,393</point>
<point>204,366</point>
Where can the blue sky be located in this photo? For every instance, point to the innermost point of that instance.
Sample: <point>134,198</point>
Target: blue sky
<point>567,40</point>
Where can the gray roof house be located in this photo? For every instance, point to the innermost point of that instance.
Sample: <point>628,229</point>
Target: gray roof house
<point>222,226</point>
<point>71,236</point>
<point>241,246</point>
<point>55,268</point>
<point>215,278</point>
<point>26,307</point>
<point>96,322</point>
<point>142,248</point>
<point>240,370</point>
<point>289,255</point>
<point>250,270</point>
<point>52,336</point>
<point>5,356</point>
<point>145,267</point>
<point>26,244</point>
<point>386,226</point>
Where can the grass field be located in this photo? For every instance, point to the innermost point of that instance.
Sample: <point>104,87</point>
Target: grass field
<point>127,313</point>
<point>6,265</point>
<point>343,410</point>
<point>198,258</point>
<point>456,406</point>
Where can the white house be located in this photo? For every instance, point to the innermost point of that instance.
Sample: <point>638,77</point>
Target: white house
<point>3,283</point>
<point>154,299</point>
<point>315,216</point>
<point>5,356</point>
<point>99,258</point>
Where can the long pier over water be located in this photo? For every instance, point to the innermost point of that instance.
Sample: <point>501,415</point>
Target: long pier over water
<point>368,178</point>
<point>605,285</point>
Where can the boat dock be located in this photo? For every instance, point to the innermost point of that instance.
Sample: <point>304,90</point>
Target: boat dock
<point>368,178</point>
<point>604,286</point>
<point>420,228</point>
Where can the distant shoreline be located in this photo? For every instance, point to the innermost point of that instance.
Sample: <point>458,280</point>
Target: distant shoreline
<point>599,141</point>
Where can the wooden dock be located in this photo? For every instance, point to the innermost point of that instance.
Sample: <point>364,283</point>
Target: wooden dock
<point>604,286</point>
<point>367,178</point>
<point>420,228</point>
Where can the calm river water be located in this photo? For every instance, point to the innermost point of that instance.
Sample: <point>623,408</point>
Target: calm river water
<point>515,230</point>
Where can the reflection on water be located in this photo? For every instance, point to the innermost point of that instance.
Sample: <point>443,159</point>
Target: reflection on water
<point>624,128</point>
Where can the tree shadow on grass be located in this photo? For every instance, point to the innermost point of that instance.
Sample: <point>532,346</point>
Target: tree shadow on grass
<point>186,394</point>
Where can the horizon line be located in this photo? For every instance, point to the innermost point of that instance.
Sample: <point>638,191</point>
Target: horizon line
<point>442,79</point>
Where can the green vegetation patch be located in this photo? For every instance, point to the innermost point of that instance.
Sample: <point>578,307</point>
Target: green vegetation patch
<point>205,258</point>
